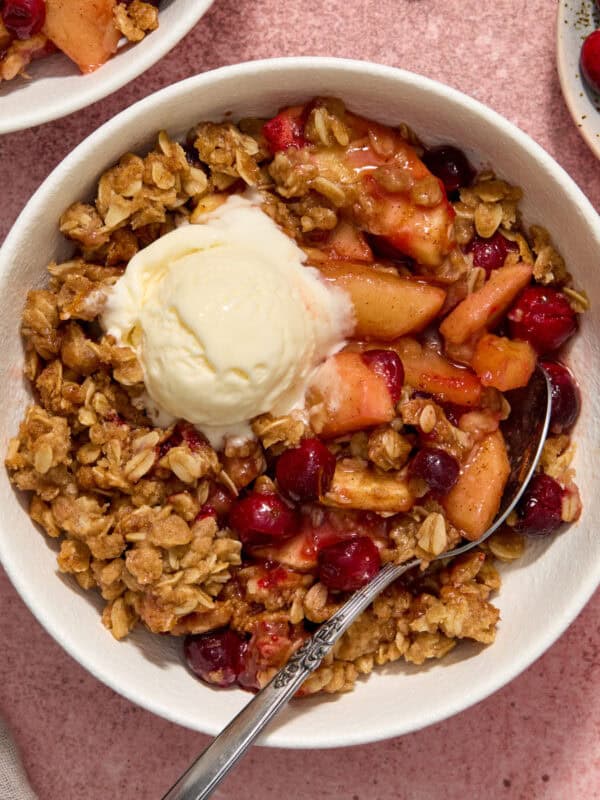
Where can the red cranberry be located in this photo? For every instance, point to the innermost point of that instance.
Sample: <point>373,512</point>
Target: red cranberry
<point>454,412</point>
<point>437,468</point>
<point>285,130</point>
<point>450,165</point>
<point>191,155</point>
<point>566,401</point>
<point>543,317</point>
<point>347,566</point>
<point>305,472</point>
<point>260,517</point>
<point>205,512</point>
<point>490,253</point>
<point>220,499</point>
<point>24,18</point>
<point>540,510</point>
<point>387,364</point>
<point>216,657</point>
<point>590,60</point>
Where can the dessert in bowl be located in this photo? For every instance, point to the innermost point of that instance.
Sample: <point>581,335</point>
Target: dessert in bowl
<point>46,46</point>
<point>375,464</point>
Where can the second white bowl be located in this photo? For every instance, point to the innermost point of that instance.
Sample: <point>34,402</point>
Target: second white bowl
<point>57,88</point>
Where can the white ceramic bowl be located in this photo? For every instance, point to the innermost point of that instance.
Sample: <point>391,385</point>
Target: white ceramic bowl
<point>541,594</point>
<point>57,88</point>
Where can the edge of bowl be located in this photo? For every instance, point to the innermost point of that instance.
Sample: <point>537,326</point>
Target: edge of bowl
<point>286,738</point>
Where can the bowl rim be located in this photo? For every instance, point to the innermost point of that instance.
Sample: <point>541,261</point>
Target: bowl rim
<point>488,683</point>
<point>164,41</point>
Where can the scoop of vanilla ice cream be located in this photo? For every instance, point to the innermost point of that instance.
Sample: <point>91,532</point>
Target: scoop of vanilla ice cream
<point>225,320</point>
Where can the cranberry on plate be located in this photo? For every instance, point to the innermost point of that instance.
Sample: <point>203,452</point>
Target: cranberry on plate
<point>543,317</point>
<point>305,472</point>
<point>540,510</point>
<point>450,165</point>
<point>348,565</point>
<point>590,60</point>
<point>23,18</point>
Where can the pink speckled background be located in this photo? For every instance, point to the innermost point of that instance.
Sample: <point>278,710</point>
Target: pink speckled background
<point>537,738</point>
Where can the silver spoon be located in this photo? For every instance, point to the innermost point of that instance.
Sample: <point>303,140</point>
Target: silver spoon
<point>525,432</point>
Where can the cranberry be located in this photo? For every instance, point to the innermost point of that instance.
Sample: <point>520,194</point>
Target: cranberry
<point>542,317</point>
<point>24,18</point>
<point>454,412</point>
<point>490,253</point>
<point>566,401</point>
<point>191,155</point>
<point>437,468</point>
<point>205,512</point>
<point>347,566</point>
<point>387,364</point>
<point>450,165</point>
<point>285,130</point>
<point>590,60</point>
<point>216,657</point>
<point>219,499</point>
<point>540,510</point>
<point>260,517</point>
<point>305,472</point>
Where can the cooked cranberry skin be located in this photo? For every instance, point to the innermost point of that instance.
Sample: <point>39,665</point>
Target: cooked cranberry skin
<point>219,499</point>
<point>454,412</point>
<point>450,165</point>
<point>543,317</point>
<point>490,253</point>
<point>305,472</point>
<point>387,364</point>
<point>23,18</point>
<point>540,510</point>
<point>258,518</point>
<point>216,657</point>
<point>590,60</point>
<point>347,566</point>
<point>566,400</point>
<point>437,468</point>
<point>205,512</point>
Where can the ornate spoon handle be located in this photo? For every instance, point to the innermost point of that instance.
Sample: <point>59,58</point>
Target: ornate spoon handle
<point>215,762</point>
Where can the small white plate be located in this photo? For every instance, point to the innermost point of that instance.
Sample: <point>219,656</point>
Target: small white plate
<point>576,20</point>
<point>57,88</point>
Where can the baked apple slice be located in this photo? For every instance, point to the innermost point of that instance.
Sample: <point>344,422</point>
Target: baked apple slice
<point>356,486</point>
<point>386,306</point>
<point>427,371</point>
<point>484,307</point>
<point>503,363</point>
<point>83,29</point>
<point>347,243</point>
<point>474,501</point>
<point>347,395</point>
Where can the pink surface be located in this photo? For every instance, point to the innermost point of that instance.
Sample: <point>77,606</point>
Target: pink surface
<point>538,737</point>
